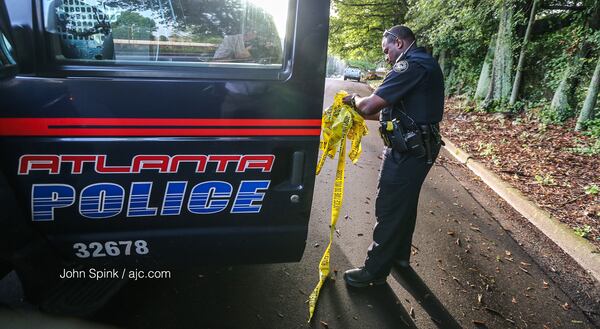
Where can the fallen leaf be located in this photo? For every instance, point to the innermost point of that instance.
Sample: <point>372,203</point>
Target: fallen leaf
<point>456,279</point>
<point>524,270</point>
<point>514,300</point>
<point>493,311</point>
<point>324,324</point>
<point>566,306</point>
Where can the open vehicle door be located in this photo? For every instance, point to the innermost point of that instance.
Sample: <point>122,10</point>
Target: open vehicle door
<point>162,133</point>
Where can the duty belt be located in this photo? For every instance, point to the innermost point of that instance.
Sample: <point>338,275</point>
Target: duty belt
<point>396,136</point>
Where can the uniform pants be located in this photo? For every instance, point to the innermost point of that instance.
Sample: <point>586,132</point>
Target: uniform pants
<point>400,180</point>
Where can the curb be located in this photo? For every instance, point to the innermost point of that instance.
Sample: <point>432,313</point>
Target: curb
<point>581,250</point>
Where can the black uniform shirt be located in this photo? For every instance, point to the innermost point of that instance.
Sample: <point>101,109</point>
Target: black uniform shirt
<point>416,86</point>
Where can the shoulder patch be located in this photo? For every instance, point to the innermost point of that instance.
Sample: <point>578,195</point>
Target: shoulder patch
<point>400,67</point>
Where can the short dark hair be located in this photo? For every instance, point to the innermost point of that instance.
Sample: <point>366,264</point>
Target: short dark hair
<point>400,32</point>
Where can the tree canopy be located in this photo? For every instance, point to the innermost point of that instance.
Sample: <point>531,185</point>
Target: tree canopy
<point>557,61</point>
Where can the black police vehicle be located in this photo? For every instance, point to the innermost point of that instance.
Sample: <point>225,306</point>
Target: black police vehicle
<point>157,132</point>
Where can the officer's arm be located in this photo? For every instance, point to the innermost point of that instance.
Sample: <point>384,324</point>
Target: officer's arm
<point>370,106</point>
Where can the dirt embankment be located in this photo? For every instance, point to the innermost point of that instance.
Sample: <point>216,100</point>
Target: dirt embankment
<point>537,159</point>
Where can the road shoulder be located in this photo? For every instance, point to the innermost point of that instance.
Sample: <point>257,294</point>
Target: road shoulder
<point>570,276</point>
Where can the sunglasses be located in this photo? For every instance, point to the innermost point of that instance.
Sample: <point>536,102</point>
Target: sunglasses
<point>386,32</point>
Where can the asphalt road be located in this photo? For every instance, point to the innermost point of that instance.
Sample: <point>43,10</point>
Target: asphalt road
<point>467,271</point>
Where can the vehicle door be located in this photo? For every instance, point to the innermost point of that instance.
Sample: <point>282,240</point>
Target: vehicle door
<point>182,131</point>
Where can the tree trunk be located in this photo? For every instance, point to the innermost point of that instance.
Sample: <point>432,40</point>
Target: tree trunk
<point>560,100</point>
<point>563,100</point>
<point>449,79</point>
<point>442,60</point>
<point>519,74</point>
<point>483,84</point>
<point>587,112</point>
<point>448,71</point>
<point>500,85</point>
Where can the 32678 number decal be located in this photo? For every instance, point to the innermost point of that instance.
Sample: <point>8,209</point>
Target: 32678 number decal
<point>110,248</point>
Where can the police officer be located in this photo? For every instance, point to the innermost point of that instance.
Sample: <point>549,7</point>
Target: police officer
<point>409,104</point>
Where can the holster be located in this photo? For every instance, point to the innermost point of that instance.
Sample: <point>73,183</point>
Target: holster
<point>431,137</point>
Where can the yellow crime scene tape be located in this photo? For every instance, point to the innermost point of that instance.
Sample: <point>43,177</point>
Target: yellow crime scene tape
<point>340,122</point>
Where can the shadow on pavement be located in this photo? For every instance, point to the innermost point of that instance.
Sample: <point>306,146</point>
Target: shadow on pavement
<point>410,280</point>
<point>341,306</point>
<point>384,300</point>
<point>267,296</point>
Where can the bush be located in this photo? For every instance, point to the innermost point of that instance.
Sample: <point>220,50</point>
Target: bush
<point>592,128</point>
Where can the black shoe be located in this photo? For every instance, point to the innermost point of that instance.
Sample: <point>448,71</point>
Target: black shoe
<point>360,277</point>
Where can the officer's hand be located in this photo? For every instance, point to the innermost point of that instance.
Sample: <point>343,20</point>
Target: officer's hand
<point>348,100</point>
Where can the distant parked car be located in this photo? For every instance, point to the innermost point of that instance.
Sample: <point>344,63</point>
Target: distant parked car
<point>373,75</point>
<point>352,73</point>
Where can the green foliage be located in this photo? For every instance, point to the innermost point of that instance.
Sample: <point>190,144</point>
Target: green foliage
<point>193,20</point>
<point>130,18</point>
<point>464,32</point>
<point>546,179</point>
<point>362,64</point>
<point>591,149</point>
<point>592,189</point>
<point>583,231</point>
<point>592,127</point>
<point>131,25</point>
<point>486,149</point>
<point>459,32</point>
<point>548,115</point>
<point>356,26</point>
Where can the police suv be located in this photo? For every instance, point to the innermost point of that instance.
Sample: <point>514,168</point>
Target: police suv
<point>125,140</point>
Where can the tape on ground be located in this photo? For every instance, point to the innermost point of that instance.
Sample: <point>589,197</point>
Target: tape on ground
<point>340,122</point>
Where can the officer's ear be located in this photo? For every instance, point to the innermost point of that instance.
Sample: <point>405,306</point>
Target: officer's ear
<point>399,43</point>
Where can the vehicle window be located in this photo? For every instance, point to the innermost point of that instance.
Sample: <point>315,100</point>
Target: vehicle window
<point>239,33</point>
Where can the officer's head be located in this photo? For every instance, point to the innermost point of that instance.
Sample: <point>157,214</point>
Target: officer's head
<point>396,41</point>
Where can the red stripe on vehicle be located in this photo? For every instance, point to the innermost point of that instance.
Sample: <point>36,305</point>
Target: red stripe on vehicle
<point>193,127</point>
